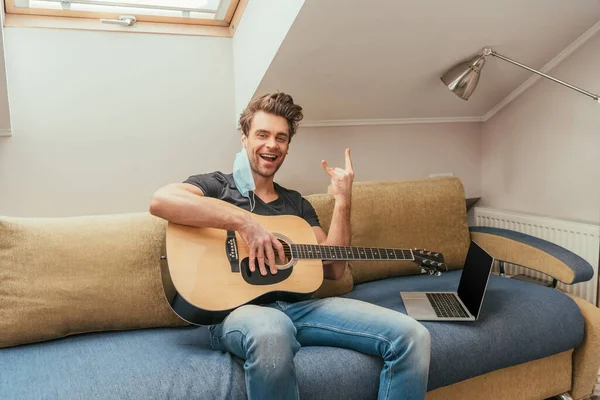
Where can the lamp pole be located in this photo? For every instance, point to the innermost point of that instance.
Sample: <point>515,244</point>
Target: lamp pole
<point>488,51</point>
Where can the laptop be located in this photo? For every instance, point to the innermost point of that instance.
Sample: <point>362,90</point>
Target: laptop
<point>462,305</point>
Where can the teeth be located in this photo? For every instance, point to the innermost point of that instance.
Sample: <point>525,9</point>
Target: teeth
<point>272,157</point>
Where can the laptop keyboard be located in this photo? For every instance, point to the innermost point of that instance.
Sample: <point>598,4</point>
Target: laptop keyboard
<point>446,305</point>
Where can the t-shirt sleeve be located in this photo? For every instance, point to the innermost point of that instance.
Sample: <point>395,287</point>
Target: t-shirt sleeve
<point>309,213</point>
<point>210,185</point>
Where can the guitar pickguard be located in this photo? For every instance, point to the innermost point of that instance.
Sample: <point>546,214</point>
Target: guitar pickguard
<point>255,278</point>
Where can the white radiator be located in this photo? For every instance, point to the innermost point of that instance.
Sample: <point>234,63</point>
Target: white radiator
<point>582,239</point>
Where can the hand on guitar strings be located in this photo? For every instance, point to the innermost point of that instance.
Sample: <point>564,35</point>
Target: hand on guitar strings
<point>341,180</point>
<point>261,244</point>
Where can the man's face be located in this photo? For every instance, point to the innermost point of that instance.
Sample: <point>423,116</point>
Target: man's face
<point>267,143</point>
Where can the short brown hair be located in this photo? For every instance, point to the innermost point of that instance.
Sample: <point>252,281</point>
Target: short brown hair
<point>279,104</point>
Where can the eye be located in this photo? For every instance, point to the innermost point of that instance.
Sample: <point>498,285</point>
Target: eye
<point>282,139</point>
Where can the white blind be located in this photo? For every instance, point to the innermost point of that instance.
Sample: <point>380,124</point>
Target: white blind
<point>205,9</point>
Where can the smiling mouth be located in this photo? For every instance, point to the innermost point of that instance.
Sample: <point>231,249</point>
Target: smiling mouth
<point>269,157</point>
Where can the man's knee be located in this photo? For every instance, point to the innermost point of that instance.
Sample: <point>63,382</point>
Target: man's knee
<point>418,344</point>
<point>411,337</point>
<point>276,336</point>
<point>267,330</point>
<point>417,333</point>
<point>420,333</point>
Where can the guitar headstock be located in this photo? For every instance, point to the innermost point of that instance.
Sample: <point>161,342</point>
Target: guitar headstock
<point>431,262</point>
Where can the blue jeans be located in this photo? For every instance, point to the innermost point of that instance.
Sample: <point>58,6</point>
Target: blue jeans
<point>268,337</point>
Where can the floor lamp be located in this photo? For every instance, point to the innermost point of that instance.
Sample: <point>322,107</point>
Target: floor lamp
<point>463,77</point>
<point>462,80</point>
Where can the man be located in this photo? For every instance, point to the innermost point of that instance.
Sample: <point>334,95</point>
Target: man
<point>269,336</point>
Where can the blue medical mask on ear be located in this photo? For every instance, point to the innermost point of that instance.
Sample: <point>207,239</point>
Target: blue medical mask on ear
<point>242,175</point>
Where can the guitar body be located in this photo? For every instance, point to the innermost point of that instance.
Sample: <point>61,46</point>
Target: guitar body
<point>207,274</point>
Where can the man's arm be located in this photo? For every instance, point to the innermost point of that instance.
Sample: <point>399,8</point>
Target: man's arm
<point>185,204</point>
<point>339,235</point>
<point>340,232</point>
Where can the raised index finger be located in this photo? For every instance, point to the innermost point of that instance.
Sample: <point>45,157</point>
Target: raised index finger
<point>348,161</point>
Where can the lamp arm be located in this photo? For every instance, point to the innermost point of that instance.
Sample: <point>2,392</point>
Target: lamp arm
<point>493,53</point>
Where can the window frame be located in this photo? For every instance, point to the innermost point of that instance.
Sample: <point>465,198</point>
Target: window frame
<point>86,20</point>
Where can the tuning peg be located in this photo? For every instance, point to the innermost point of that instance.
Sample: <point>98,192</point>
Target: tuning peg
<point>438,273</point>
<point>423,270</point>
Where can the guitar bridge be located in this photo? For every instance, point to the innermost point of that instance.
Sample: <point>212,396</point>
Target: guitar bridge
<point>232,251</point>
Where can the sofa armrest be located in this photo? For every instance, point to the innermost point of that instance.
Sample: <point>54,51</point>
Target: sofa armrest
<point>532,252</point>
<point>586,357</point>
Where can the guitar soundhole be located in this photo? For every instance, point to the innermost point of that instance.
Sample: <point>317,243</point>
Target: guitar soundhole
<point>288,255</point>
<point>284,269</point>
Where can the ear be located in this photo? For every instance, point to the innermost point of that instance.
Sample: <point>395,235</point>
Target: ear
<point>244,139</point>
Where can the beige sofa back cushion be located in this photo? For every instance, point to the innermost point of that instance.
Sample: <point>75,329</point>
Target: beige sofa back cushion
<point>426,213</point>
<point>63,276</point>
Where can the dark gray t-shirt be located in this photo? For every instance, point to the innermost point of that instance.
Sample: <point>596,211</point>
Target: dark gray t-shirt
<point>222,186</point>
<point>289,202</point>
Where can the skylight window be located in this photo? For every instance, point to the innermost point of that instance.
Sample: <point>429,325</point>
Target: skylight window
<point>129,12</point>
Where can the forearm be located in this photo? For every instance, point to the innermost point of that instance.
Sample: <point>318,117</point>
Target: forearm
<point>339,231</point>
<point>339,234</point>
<point>186,208</point>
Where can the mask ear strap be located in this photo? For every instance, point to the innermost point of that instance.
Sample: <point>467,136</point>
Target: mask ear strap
<point>252,206</point>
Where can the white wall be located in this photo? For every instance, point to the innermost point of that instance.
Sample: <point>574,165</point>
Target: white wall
<point>263,26</point>
<point>541,154</point>
<point>5,127</point>
<point>102,119</point>
<point>385,152</point>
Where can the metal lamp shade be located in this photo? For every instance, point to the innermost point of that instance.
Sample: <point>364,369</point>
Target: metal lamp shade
<point>462,79</point>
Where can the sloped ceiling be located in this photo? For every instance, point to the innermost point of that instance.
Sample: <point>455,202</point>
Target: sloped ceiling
<point>382,59</point>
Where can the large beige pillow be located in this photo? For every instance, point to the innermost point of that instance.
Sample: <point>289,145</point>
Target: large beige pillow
<point>422,213</point>
<point>323,205</point>
<point>63,276</point>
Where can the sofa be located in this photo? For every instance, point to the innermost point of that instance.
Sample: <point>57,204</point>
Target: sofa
<point>83,313</point>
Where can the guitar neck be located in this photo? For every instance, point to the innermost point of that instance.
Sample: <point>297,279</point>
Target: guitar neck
<point>349,253</point>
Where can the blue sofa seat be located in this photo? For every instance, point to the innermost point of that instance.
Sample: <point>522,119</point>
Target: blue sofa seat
<point>519,322</point>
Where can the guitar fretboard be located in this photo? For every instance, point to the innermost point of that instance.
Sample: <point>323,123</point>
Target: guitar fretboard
<point>348,253</point>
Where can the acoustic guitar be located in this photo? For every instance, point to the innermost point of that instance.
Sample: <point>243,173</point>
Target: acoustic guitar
<point>206,273</point>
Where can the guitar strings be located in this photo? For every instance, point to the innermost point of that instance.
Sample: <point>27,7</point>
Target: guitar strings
<point>331,252</point>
